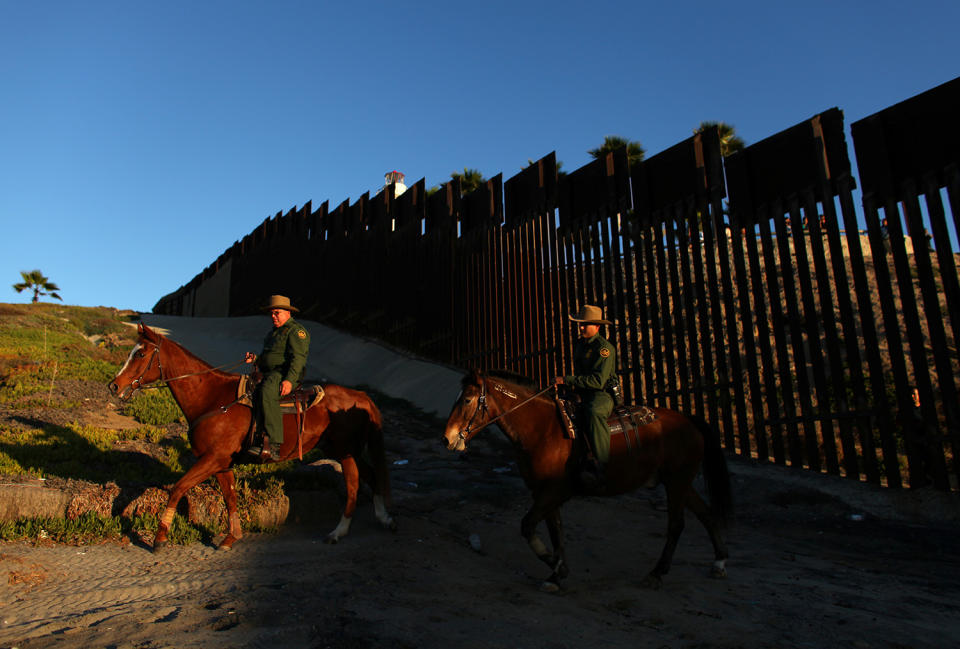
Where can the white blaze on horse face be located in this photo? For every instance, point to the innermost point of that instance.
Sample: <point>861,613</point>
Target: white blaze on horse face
<point>133,351</point>
<point>454,442</point>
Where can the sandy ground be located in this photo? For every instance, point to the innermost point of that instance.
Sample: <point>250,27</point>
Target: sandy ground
<point>815,562</point>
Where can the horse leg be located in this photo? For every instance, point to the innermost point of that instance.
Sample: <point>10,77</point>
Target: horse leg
<point>559,561</point>
<point>676,499</point>
<point>378,481</point>
<point>380,509</point>
<point>206,466</point>
<point>228,488</point>
<point>351,478</point>
<point>528,528</point>
<point>703,513</point>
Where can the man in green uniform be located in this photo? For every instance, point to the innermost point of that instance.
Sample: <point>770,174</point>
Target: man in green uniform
<point>593,378</point>
<point>282,364</point>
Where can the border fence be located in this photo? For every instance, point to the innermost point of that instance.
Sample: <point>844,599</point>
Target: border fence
<point>745,289</point>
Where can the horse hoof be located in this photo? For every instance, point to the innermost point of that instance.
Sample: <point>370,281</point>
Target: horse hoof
<point>549,587</point>
<point>392,526</point>
<point>652,581</point>
<point>718,573</point>
<point>227,543</point>
<point>330,540</point>
<point>158,545</point>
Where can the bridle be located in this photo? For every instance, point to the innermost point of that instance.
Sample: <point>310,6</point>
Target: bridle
<point>138,384</point>
<point>465,433</point>
<point>468,431</point>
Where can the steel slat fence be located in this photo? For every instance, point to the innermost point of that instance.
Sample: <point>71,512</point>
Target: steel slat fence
<point>807,334</point>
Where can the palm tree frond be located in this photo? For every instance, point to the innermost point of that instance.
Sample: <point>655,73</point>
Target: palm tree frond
<point>37,282</point>
<point>635,150</point>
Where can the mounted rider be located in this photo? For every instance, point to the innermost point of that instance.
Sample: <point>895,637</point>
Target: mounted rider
<point>594,380</point>
<point>282,364</point>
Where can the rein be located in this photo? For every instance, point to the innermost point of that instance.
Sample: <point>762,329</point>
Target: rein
<point>137,383</point>
<point>482,406</point>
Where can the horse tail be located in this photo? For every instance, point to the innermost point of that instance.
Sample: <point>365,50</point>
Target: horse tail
<point>377,455</point>
<point>715,473</point>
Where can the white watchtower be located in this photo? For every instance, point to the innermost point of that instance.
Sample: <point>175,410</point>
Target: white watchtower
<point>395,178</point>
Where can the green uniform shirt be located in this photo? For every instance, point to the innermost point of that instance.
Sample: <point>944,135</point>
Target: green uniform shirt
<point>594,364</point>
<point>285,351</point>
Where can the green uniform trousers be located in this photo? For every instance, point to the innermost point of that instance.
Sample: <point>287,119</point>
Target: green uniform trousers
<point>597,406</point>
<point>268,400</point>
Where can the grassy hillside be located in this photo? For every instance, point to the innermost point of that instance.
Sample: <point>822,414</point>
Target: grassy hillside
<point>59,425</point>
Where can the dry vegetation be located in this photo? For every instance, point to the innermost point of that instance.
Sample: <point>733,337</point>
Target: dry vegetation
<point>78,466</point>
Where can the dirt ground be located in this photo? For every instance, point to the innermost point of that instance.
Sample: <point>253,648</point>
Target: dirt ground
<point>815,562</point>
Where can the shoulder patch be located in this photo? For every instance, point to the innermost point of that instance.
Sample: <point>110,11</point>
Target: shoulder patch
<point>301,333</point>
<point>604,352</point>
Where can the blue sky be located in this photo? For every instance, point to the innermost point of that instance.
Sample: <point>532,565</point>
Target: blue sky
<point>138,140</point>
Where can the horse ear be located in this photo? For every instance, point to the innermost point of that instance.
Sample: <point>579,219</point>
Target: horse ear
<point>140,328</point>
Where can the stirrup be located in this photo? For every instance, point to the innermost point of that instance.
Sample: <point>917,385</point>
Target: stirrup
<point>263,451</point>
<point>591,475</point>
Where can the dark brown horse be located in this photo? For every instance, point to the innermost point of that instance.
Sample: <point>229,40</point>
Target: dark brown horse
<point>347,420</point>
<point>668,450</point>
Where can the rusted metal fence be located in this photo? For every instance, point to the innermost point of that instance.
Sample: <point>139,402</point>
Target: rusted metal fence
<point>809,335</point>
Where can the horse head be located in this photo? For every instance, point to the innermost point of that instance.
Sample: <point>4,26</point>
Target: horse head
<point>469,414</point>
<point>142,367</point>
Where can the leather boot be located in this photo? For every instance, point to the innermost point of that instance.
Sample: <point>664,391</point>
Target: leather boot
<point>263,451</point>
<point>592,475</point>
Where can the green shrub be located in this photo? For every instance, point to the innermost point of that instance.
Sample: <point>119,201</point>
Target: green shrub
<point>85,529</point>
<point>83,452</point>
<point>181,532</point>
<point>90,528</point>
<point>154,407</point>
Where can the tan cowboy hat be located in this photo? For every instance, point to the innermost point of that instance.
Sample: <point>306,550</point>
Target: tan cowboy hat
<point>590,315</point>
<point>279,302</point>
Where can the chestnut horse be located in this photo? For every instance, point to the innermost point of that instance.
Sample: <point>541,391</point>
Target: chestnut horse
<point>347,420</point>
<point>668,450</point>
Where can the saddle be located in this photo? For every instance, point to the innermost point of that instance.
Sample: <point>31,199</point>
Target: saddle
<point>300,399</point>
<point>624,420</point>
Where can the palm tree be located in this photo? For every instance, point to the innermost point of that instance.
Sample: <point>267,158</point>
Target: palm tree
<point>730,142</point>
<point>560,171</point>
<point>36,282</point>
<point>470,179</point>
<point>635,150</point>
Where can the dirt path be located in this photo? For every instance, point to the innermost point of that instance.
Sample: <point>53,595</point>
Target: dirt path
<point>810,566</point>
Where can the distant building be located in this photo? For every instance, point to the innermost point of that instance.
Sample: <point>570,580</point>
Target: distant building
<point>395,178</point>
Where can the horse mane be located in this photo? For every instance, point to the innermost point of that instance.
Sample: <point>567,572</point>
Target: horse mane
<point>513,377</point>
<point>158,338</point>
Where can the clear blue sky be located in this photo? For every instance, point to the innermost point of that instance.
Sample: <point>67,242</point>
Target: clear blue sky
<point>139,140</point>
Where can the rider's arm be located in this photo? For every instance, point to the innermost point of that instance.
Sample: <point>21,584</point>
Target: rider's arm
<point>298,347</point>
<point>595,376</point>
